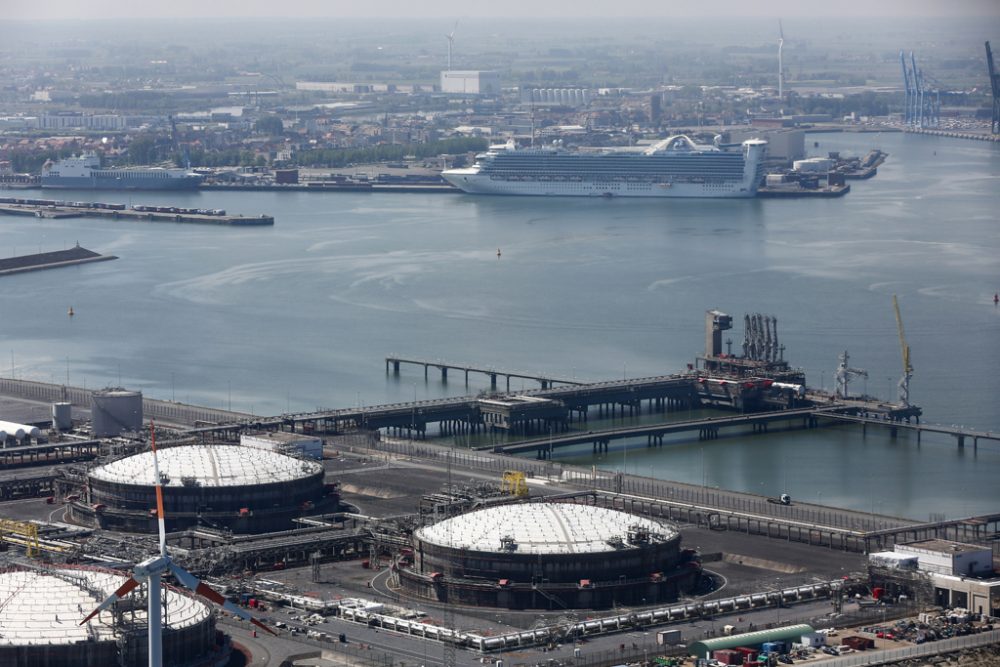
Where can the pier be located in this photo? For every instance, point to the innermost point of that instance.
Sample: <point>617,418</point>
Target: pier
<point>707,429</point>
<point>960,434</point>
<point>51,260</point>
<point>53,209</point>
<point>493,373</point>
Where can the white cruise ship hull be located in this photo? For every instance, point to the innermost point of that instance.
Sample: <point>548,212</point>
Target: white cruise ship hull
<point>468,180</point>
<point>673,167</point>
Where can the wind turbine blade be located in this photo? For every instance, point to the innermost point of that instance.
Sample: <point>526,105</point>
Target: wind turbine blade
<point>781,33</point>
<point>159,491</point>
<point>191,582</point>
<point>122,591</point>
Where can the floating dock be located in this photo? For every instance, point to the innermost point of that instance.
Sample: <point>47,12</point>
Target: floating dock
<point>51,260</point>
<point>793,190</point>
<point>45,208</point>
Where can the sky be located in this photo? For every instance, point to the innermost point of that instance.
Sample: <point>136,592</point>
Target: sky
<point>97,10</point>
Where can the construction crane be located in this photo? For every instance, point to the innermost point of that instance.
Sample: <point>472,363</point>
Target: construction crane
<point>515,484</point>
<point>904,382</point>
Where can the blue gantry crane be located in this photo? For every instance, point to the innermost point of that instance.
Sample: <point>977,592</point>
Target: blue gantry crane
<point>995,86</point>
<point>922,97</point>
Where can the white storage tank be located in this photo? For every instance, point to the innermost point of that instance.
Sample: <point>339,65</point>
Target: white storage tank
<point>813,165</point>
<point>62,416</point>
<point>18,431</point>
<point>115,411</point>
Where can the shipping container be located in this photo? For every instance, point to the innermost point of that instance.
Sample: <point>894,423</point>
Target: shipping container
<point>666,637</point>
<point>728,656</point>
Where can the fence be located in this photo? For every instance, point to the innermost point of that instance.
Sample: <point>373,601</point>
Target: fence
<point>360,654</point>
<point>920,651</point>
<point>152,408</point>
<point>705,500</point>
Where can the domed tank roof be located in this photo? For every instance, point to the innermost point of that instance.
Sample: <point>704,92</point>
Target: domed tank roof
<point>207,466</point>
<point>545,528</point>
<point>46,606</point>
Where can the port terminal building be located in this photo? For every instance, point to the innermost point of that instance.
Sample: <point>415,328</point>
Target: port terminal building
<point>959,575</point>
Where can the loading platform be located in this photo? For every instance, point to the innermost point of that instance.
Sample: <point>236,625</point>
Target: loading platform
<point>60,210</point>
<point>493,373</point>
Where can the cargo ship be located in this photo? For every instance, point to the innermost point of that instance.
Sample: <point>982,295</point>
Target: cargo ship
<point>673,167</point>
<point>85,172</point>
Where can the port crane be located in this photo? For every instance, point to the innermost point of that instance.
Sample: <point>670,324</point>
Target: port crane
<point>845,373</point>
<point>904,382</point>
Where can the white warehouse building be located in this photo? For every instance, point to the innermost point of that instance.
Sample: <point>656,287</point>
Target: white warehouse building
<point>470,82</point>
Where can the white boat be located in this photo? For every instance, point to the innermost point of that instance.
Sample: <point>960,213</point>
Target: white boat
<point>673,167</point>
<point>84,172</point>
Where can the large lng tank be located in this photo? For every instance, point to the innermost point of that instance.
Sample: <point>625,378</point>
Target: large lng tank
<point>245,489</point>
<point>42,610</point>
<point>549,555</point>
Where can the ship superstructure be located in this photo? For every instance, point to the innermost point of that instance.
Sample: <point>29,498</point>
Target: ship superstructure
<point>85,172</point>
<point>673,167</point>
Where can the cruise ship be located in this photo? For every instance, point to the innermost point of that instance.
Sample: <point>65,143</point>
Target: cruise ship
<point>673,167</point>
<point>85,173</point>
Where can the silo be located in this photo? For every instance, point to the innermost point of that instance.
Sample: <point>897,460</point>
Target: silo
<point>62,416</point>
<point>114,411</point>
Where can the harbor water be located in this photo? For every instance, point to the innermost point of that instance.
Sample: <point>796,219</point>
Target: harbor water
<point>301,315</point>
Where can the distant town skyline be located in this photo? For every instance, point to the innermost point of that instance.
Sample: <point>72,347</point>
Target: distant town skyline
<point>98,10</point>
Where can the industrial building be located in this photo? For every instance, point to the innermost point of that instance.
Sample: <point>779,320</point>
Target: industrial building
<point>783,145</point>
<point>571,97</point>
<point>958,574</point>
<point>541,555</point>
<point>244,489</point>
<point>43,607</point>
<point>470,82</point>
<point>800,633</point>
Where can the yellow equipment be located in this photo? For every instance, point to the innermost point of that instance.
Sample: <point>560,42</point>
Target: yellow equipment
<point>21,533</point>
<point>904,382</point>
<point>515,483</point>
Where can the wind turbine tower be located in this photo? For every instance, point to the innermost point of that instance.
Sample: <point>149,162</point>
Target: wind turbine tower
<point>151,572</point>
<point>451,43</point>
<point>781,69</point>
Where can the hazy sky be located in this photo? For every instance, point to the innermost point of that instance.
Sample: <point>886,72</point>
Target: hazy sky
<point>511,9</point>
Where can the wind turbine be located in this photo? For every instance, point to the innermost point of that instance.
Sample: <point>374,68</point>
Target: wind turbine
<point>451,43</point>
<point>152,569</point>
<point>781,69</point>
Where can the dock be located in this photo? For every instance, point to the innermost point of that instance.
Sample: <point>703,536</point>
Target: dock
<point>787,191</point>
<point>51,260</point>
<point>493,373</point>
<point>54,209</point>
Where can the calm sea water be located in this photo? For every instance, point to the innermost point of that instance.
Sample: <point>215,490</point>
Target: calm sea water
<point>301,315</point>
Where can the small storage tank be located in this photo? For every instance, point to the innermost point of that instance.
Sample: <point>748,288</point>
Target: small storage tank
<point>62,416</point>
<point>18,431</point>
<point>114,411</point>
